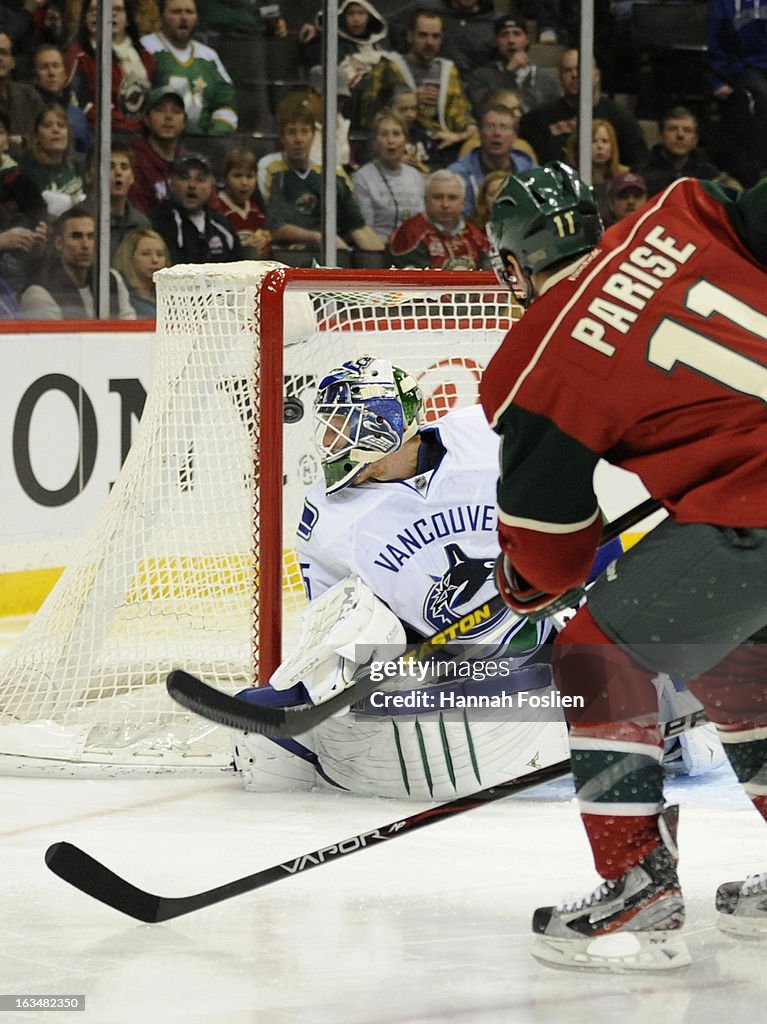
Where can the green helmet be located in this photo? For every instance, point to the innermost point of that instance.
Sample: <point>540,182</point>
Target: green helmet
<point>542,216</point>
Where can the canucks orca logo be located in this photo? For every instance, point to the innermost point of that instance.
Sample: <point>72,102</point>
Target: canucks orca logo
<point>455,592</point>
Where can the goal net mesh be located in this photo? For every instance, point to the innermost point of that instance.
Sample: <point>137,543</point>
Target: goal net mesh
<point>190,563</point>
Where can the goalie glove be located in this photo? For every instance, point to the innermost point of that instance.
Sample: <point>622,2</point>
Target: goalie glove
<point>526,600</point>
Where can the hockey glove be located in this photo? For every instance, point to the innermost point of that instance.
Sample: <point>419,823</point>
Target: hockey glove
<point>525,600</point>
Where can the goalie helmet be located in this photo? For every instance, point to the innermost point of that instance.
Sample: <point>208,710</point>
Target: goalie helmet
<point>364,410</point>
<point>541,217</point>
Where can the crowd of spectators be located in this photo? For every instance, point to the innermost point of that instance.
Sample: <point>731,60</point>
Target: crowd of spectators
<point>439,100</point>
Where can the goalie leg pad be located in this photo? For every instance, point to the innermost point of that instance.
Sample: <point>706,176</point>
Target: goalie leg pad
<point>344,628</point>
<point>700,750</point>
<point>433,756</point>
<point>694,752</point>
<point>430,756</point>
<point>271,766</point>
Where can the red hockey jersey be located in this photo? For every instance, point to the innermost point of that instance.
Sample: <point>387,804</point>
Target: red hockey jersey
<point>652,353</point>
<point>417,242</point>
<point>244,222</point>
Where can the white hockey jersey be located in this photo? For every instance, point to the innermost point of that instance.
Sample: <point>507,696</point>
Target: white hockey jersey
<point>427,545</point>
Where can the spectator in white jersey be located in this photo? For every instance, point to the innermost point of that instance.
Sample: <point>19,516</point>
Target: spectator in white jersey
<point>194,70</point>
<point>404,515</point>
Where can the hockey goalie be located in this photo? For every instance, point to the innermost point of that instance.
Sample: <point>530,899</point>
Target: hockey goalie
<point>397,542</point>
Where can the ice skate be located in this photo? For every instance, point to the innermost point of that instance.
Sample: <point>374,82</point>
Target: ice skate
<point>627,924</point>
<point>742,906</point>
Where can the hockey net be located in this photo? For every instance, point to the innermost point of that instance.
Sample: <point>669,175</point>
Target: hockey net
<point>190,562</point>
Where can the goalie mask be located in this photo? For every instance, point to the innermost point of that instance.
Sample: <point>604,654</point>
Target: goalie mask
<point>364,410</point>
<point>542,217</point>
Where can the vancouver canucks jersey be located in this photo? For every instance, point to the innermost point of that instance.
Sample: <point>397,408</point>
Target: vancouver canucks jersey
<point>426,545</point>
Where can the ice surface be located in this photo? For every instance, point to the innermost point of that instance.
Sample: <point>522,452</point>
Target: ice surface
<point>431,928</point>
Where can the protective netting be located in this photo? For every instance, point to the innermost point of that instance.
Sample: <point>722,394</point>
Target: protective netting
<point>170,574</point>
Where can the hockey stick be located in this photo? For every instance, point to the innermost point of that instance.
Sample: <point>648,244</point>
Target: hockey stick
<point>282,723</point>
<point>95,879</point>
<point>85,873</point>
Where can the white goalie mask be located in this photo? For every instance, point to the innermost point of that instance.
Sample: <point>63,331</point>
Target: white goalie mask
<point>364,410</point>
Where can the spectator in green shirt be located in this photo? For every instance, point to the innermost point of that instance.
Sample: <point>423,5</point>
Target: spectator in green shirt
<point>294,204</point>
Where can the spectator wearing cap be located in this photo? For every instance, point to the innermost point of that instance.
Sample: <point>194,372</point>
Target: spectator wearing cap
<point>193,69</point>
<point>193,232</point>
<point>155,150</point>
<point>512,69</point>
<point>627,193</point>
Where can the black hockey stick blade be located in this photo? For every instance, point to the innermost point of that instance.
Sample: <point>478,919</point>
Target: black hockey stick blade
<point>84,872</point>
<point>277,723</point>
<point>284,723</point>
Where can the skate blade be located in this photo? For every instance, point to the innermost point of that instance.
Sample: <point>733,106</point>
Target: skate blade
<point>619,953</point>
<point>742,927</point>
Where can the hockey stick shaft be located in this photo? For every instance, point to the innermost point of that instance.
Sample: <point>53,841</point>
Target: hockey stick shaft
<point>282,723</point>
<point>90,876</point>
<point>84,872</point>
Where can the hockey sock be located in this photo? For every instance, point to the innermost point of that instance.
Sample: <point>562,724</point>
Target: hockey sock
<point>615,743</point>
<point>618,773</point>
<point>733,695</point>
<point>746,748</point>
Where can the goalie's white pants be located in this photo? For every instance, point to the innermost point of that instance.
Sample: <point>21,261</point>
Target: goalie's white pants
<point>422,757</point>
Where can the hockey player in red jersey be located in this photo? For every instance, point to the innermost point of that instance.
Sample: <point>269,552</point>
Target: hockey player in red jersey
<point>644,346</point>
